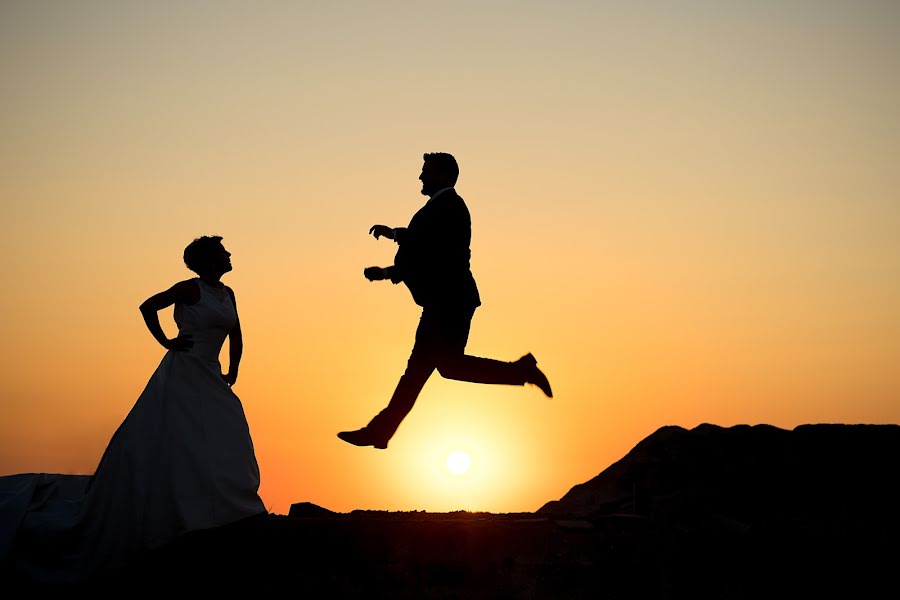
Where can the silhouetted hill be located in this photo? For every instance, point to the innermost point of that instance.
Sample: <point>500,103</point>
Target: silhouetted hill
<point>745,477</point>
<point>743,512</point>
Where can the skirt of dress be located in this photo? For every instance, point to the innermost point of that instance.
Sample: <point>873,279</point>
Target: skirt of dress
<point>182,460</point>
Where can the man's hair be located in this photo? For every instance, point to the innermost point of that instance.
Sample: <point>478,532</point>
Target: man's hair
<point>199,253</point>
<point>445,163</point>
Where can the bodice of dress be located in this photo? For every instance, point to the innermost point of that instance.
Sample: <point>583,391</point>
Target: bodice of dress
<point>208,321</point>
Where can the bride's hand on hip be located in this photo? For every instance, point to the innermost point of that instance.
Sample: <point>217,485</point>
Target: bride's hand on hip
<point>180,343</point>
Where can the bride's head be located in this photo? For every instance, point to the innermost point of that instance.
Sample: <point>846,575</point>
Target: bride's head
<point>206,256</point>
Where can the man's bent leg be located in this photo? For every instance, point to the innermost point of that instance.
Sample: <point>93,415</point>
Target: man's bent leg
<point>453,363</point>
<point>481,370</point>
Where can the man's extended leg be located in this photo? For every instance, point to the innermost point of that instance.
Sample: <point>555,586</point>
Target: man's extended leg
<point>422,362</point>
<point>385,423</point>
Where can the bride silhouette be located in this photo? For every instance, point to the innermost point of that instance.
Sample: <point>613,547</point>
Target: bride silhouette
<point>182,460</point>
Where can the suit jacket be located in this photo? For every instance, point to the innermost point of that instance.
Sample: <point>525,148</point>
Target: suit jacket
<point>433,255</point>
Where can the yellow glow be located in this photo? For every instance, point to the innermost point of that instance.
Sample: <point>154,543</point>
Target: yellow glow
<point>458,462</point>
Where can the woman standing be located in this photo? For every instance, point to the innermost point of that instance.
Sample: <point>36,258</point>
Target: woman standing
<point>183,458</point>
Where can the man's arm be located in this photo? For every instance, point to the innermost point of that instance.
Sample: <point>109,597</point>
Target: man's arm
<point>391,233</point>
<point>381,273</point>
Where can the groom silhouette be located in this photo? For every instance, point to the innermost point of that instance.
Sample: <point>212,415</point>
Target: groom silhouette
<point>433,261</point>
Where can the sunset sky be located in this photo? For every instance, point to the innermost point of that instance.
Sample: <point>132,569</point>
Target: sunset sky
<point>688,211</point>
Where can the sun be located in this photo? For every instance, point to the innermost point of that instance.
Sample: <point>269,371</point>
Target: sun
<point>458,462</point>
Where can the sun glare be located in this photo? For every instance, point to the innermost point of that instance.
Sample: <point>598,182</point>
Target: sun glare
<point>458,462</point>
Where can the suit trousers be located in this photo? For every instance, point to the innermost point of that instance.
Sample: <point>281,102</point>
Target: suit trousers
<point>441,339</point>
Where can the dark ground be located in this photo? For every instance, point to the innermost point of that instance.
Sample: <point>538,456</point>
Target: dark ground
<point>419,555</point>
<point>743,512</point>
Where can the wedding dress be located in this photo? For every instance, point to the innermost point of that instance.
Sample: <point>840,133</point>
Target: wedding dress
<point>182,460</point>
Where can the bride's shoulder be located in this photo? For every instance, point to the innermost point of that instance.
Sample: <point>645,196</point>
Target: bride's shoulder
<point>187,291</point>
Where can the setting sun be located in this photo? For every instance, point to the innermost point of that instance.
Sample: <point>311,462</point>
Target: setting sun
<point>458,462</point>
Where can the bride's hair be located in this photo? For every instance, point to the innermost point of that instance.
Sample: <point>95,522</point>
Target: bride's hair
<point>199,254</point>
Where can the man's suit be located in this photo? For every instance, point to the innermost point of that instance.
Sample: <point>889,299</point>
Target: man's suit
<point>433,255</point>
<point>433,261</point>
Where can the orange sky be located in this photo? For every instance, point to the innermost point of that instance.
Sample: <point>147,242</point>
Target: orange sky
<point>688,214</point>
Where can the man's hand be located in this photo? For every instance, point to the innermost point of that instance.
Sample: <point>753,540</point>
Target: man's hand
<point>382,230</point>
<point>375,273</point>
<point>230,378</point>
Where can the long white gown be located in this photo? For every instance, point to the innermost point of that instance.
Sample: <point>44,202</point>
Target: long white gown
<point>182,460</point>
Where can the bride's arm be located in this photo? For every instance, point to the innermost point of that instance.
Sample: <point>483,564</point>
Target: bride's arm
<point>185,292</point>
<point>235,345</point>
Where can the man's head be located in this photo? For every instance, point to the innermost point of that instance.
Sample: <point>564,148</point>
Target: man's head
<point>438,172</point>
